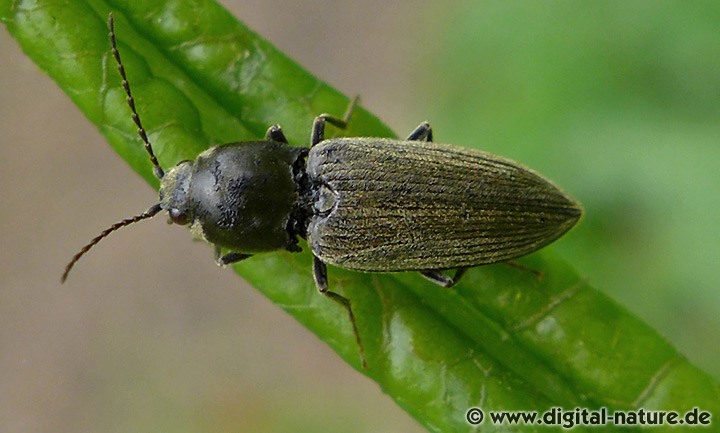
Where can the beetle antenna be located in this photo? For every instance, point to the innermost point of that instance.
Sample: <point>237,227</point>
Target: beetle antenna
<point>118,225</point>
<point>159,173</point>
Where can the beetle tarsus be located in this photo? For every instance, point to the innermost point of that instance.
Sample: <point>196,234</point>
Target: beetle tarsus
<point>321,281</point>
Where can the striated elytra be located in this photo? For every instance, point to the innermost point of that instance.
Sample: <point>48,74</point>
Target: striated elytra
<point>366,204</point>
<point>389,205</point>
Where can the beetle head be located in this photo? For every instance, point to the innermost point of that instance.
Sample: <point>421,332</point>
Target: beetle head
<point>174,189</point>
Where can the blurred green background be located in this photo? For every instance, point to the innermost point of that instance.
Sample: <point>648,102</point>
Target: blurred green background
<point>616,101</point>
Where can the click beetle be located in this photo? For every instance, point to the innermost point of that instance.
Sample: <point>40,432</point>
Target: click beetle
<point>365,204</point>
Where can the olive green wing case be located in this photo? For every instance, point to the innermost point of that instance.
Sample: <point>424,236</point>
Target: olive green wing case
<point>390,205</point>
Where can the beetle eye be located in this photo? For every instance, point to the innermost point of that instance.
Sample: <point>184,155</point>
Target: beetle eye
<point>177,216</point>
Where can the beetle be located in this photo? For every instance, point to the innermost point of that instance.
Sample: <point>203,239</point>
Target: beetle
<point>365,204</point>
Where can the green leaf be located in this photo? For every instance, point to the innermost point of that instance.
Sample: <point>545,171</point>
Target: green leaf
<point>503,339</point>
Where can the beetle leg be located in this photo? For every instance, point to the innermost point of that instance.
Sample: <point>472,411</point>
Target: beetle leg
<point>229,257</point>
<point>275,133</point>
<point>443,280</point>
<point>422,133</point>
<point>320,275</point>
<point>318,129</point>
<point>517,265</point>
<point>321,281</point>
